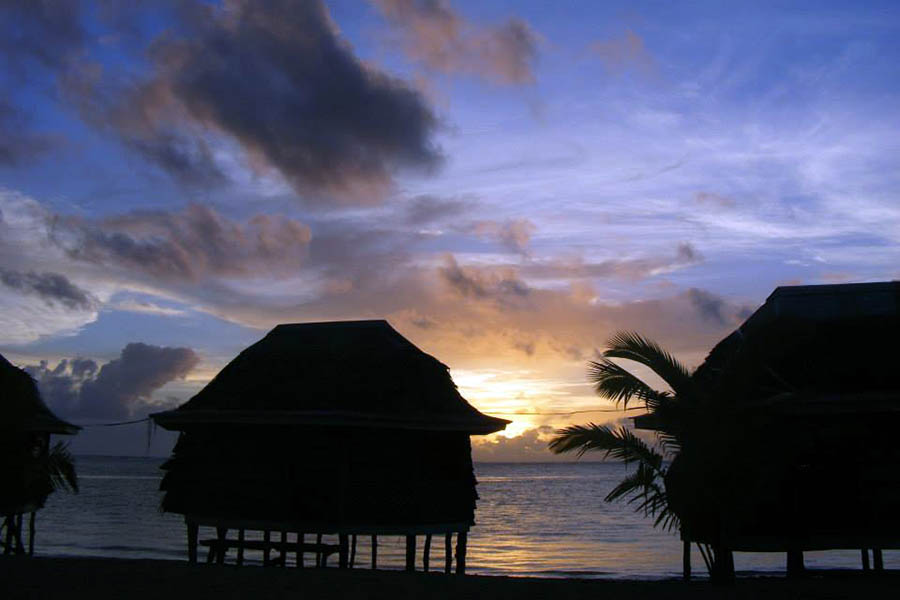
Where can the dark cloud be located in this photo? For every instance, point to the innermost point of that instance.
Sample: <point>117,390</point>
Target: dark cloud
<point>50,287</point>
<point>119,389</point>
<point>275,77</point>
<point>716,309</point>
<point>190,245</point>
<point>427,209</point>
<point>18,144</point>
<point>502,285</point>
<point>442,40</point>
<point>42,33</point>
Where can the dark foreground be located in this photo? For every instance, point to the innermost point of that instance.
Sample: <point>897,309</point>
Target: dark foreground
<point>168,580</point>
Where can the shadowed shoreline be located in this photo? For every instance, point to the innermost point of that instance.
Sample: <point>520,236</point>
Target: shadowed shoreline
<point>152,579</point>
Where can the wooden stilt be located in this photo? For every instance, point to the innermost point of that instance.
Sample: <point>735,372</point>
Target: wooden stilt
<point>374,552</point>
<point>284,552</point>
<point>410,553</point>
<point>267,551</point>
<point>877,559</point>
<point>20,545</point>
<point>240,549</point>
<point>448,553</point>
<point>192,532</point>
<point>426,552</point>
<point>221,532</point>
<point>320,562</point>
<point>343,548</point>
<point>31,535</point>
<point>461,538</point>
<point>795,567</point>
<point>865,558</point>
<point>686,559</point>
<point>352,550</point>
<point>300,540</point>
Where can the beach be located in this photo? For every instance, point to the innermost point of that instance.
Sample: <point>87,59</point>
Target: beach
<point>96,578</point>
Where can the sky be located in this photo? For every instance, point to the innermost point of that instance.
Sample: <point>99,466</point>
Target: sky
<point>507,183</point>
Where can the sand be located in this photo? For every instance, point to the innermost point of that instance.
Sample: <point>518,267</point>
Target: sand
<point>169,580</point>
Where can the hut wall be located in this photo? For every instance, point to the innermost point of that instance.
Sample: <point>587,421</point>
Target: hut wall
<point>330,476</point>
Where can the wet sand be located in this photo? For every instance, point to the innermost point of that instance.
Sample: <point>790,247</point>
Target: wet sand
<point>97,578</point>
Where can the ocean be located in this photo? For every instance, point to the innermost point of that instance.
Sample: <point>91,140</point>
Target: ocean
<point>545,520</point>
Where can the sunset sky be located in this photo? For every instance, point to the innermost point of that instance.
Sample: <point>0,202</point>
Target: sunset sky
<point>508,183</point>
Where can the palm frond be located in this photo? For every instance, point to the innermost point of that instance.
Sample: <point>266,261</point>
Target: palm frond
<point>60,468</point>
<point>619,443</point>
<point>620,385</point>
<point>633,346</point>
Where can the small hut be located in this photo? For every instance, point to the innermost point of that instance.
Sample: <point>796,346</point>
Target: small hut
<point>29,470</point>
<point>325,429</point>
<point>812,384</point>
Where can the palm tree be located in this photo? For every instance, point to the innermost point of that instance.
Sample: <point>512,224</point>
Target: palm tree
<point>683,478</point>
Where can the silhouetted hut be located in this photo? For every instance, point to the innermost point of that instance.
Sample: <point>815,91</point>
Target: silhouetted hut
<point>813,378</point>
<point>341,428</point>
<point>26,468</point>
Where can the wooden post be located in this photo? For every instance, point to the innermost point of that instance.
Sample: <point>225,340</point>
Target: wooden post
<point>284,552</point>
<point>267,551</point>
<point>795,567</point>
<point>300,540</point>
<point>320,558</point>
<point>343,543</point>
<point>448,553</point>
<point>192,531</point>
<point>865,558</point>
<point>221,533</point>
<point>426,554</point>
<point>461,538</point>
<point>31,535</point>
<point>352,550</point>
<point>374,552</point>
<point>240,549</point>
<point>8,521</point>
<point>877,559</point>
<point>20,545</point>
<point>410,553</point>
<point>686,559</point>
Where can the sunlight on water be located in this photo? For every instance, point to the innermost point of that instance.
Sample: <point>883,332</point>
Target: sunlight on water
<point>536,519</point>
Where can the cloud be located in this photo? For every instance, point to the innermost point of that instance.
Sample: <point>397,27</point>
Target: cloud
<point>18,145</point>
<point>438,37</point>
<point>120,389</point>
<point>625,52</point>
<point>621,268</point>
<point>501,284</point>
<point>275,77</point>
<point>425,209</point>
<point>194,244</point>
<point>512,234</point>
<point>530,446</point>
<point>50,287</point>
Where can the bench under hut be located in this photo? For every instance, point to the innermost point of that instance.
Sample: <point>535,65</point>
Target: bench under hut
<point>339,429</point>
<point>811,394</point>
<point>30,470</point>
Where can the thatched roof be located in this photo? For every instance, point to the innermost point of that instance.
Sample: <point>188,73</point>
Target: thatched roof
<point>829,345</point>
<point>23,409</point>
<point>347,373</point>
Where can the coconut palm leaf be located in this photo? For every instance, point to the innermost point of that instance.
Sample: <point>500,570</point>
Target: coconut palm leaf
<point>619,443</point>
<point>632,346</point>
<point>620,385</point>
<point>59,467</point>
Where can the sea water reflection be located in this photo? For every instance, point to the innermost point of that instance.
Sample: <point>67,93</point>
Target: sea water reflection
<point>532,519</point>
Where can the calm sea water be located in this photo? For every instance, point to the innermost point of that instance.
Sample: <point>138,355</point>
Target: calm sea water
<point>533,519</point>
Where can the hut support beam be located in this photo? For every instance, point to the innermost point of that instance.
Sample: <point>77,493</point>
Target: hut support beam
<point>426,553</point>
<point>267,552</point>
<point>795,567</point>
<point>448,553</point>
<point>221,532</point>
<point>20,547</point>
<point>877,559</point>
<point>31,535</point>
<point>320,558</point>
<point>300,537</point>
<point>192,532</point>
<point>374,552</point>
<point>686,559</point>
<point>343,548</point>
<point>240,549</point>
<point>284,552</point>
<point>352,550</point>
<point>461,539</point>
<point>865,558</point>
<point>410,553</point>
